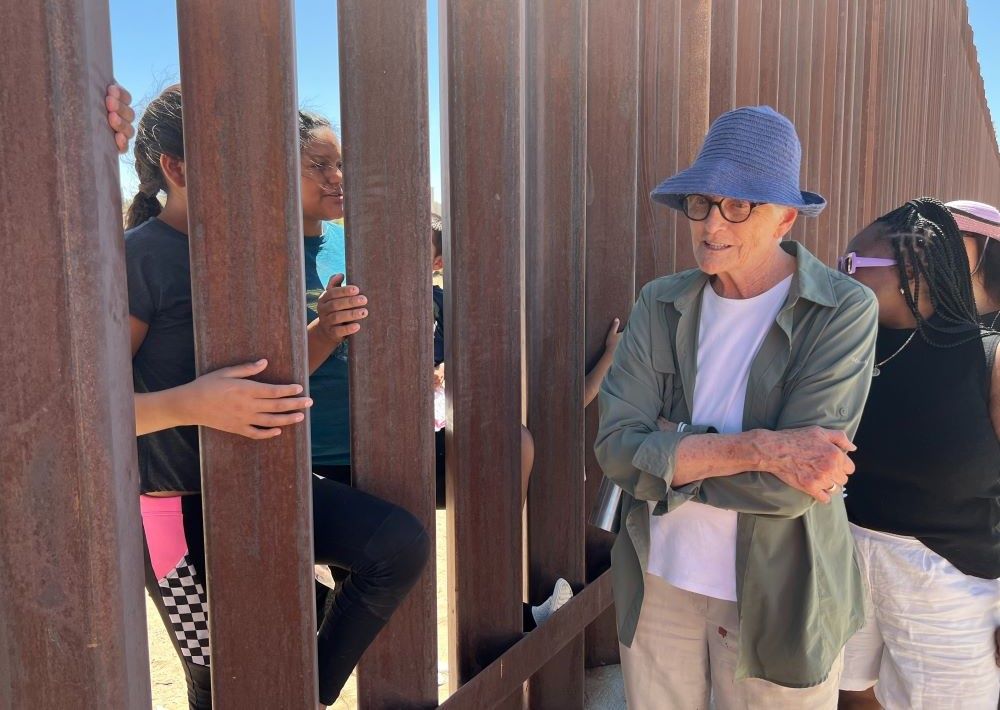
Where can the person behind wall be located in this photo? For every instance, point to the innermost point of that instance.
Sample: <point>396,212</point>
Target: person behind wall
<point>734,573</point>
<point>381,547</point>
<point>562,592</point>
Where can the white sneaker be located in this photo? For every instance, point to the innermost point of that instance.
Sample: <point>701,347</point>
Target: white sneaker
<point>323,576</point>
<point>561,593</point>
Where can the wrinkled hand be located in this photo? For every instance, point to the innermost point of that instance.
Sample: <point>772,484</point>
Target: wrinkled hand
<point>224,399</point>
<point>811,459</point>
<point>613,336</point>
<point>118,101</point>
<point>340,309</point>
<point>664,425</point>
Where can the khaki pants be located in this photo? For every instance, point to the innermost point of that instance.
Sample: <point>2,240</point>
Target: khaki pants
<point>684,655</point>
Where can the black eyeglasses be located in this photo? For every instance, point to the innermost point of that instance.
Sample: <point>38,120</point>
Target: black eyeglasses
<point>732,209</point>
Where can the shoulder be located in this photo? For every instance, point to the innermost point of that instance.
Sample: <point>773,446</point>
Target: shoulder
<point>853,296</point>
<point>848,289</point>
<point>669,287</point>
<point>333,230</point>
<point>153,236</point>
<point>825,287</point>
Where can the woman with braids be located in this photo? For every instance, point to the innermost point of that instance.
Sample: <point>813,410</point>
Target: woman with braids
<point>380,548</point>
<point>924,503</point>
<point>980,223</point>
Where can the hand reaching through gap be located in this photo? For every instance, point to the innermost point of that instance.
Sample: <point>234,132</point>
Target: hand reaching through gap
<point>340,309</point>
<point>224,399</point>
<point>118,101</point>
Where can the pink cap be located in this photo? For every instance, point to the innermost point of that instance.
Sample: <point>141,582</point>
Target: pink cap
<point>976,217</point>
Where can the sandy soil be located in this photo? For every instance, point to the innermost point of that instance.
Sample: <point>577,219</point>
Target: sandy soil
<point>169,689</point>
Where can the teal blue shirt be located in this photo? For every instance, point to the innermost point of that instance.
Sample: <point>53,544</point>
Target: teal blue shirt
<point>330,414</point>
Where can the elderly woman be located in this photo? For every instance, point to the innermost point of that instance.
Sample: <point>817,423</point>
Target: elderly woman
<point>734,571</point>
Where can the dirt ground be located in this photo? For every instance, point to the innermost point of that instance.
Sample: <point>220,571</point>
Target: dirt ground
<point>170,692</point>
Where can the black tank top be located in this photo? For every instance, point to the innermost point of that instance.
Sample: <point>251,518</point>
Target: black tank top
<point>928,460</point>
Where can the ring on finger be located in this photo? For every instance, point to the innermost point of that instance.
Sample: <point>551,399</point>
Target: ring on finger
<point>832,489</point>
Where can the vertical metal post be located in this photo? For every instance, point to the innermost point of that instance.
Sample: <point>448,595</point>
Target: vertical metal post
<point>72,620</point>
<point>481,85</point>
<point>555,221</point>
<point>387,185</point>
<point>612,151</point>
<point>245,229</point>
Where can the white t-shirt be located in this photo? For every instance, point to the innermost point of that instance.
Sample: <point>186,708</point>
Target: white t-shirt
<point>694,546</point>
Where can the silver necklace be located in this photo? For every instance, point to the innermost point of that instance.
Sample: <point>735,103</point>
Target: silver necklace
<point>879,365</point>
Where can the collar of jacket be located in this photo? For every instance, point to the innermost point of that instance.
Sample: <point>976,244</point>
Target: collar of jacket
<point>811,281</point>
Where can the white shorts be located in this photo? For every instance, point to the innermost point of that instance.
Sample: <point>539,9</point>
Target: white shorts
<point>927,642</point>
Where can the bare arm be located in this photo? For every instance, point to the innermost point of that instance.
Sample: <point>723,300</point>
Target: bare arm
<point>320,345</point>
<point>223,399</point>
<point>809,459</point>
<point>594,378</point>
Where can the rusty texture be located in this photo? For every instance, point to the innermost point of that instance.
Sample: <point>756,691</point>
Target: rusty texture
<point>245,227</point>
<point>72,618</point>
<point>537,648</point>
<point>886,95</point>
<point>555,140</point>
<point>888,101</point>
<point>612,130</point>
<point>387,185</point>
<point>480,113</point>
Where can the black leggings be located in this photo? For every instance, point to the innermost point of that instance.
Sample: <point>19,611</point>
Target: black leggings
<point>377,549</point>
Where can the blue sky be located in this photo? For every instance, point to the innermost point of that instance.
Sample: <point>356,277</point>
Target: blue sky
<point>144,43</point>
<point>984,16</point>
<point>144,46</point>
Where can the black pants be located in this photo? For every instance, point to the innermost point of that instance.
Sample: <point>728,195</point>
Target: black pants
<point>377,549</point>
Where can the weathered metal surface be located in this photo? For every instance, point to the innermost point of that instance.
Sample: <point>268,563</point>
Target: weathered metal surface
<point>481,118</point>
<point>530,653</point>
<point>245,227</point>
<point>612,135</point>
<point>387,187</point>
<point>72,620</point>
<point>888,102</point>
<point>555,140</point>
<point>691,108</point>
<point>656,228</point>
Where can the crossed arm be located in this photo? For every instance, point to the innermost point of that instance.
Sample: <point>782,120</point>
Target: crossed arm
<point>777,473</point>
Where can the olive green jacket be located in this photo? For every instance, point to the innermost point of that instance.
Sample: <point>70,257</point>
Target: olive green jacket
<point>798,587</point>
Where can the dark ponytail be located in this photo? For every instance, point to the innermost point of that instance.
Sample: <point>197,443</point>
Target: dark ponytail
<point>160,132</point>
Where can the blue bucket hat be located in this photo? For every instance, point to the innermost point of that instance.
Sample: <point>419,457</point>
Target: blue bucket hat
<point>751,153</point>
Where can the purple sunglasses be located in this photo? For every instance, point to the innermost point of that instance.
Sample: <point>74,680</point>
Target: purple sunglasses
<point>851,262</point>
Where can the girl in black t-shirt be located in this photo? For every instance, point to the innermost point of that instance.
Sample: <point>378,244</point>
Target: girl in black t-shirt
<point>380,548</point>
<point>924,502</point>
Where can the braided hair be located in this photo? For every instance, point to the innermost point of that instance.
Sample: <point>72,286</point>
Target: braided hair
<point>929,251</point>
<point>160,132</point>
